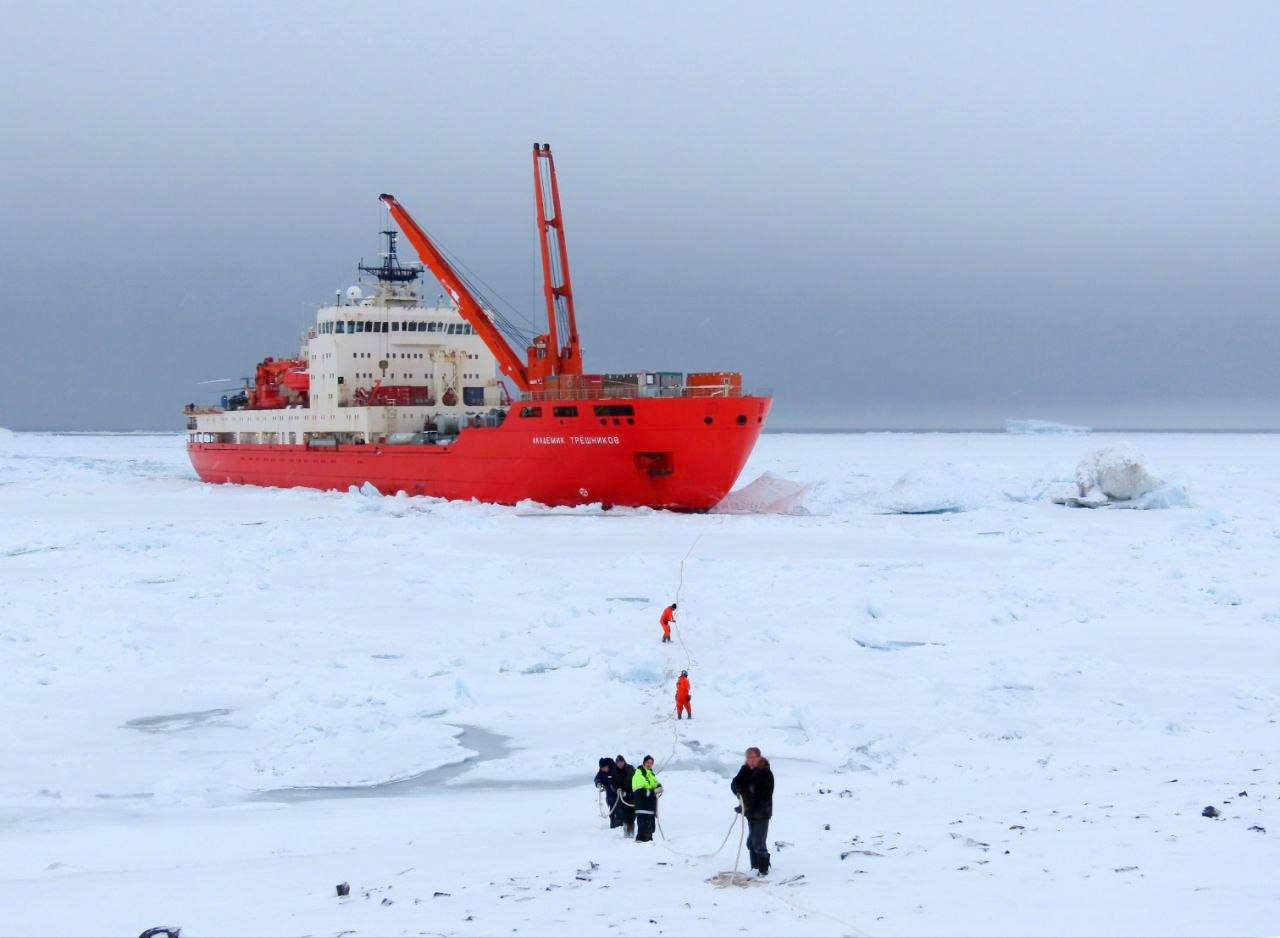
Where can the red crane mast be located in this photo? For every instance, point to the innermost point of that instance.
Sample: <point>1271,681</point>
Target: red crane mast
<point>557,288</point>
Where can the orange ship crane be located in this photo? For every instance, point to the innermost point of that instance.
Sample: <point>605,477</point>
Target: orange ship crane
<point>558,351</point>
<point>562,324</point>
<point>524,376</point>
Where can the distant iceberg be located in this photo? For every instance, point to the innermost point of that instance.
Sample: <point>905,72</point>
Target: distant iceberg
<point>1027,427</point>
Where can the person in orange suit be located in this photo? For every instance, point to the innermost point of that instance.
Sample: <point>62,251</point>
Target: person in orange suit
<point>682,696</point>
<point>668,616</point>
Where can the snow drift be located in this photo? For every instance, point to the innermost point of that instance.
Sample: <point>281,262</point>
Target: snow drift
<point>931,492</point>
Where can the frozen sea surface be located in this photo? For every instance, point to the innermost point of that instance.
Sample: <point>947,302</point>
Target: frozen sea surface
<point>987,713</point>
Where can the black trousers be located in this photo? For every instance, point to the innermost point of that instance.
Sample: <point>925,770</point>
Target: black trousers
<point>758,843</point>
<point>615,812</point>
<point>644,826</point>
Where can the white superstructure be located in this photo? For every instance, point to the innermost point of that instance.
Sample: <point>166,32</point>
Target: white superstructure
<point>375,367</point>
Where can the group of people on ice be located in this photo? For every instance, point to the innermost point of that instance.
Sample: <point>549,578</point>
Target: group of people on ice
<point>632,793</point>
<point>632,797</point>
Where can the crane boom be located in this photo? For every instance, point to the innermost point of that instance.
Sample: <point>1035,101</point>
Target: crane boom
<point>468,305</point>
<point>556,286</point>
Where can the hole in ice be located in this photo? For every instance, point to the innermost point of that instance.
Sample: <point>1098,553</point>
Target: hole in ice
<point>485,746</point>
<point>890,645</point>
<point>133,796</point>
<point>177,722</point>
<point>23,551</point>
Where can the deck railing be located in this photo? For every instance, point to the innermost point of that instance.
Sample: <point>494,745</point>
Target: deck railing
<point>631,392</point>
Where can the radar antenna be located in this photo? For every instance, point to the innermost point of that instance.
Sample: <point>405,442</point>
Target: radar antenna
<point>391,270</point>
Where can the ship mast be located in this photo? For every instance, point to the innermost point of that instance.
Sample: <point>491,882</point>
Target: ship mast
<point>390,270</point>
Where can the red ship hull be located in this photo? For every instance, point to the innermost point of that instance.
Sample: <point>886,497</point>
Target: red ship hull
<point>676,453</point>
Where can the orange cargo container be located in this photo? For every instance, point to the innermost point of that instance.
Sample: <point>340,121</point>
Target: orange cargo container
<point>715,383</point>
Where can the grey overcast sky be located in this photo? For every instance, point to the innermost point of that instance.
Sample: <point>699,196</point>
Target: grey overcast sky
<point>893,214</point>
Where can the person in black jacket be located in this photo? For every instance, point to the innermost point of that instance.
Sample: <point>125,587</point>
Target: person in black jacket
<point>626,804</point>
<point>607,782</point>
<point>754,785</point>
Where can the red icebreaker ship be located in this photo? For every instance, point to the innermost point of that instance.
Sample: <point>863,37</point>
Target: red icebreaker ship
<point>389,391</point>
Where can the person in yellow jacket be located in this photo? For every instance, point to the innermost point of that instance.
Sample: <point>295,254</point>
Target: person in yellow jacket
<point>645,789</point>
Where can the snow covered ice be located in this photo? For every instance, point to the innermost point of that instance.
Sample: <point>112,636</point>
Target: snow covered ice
<point>996,717</point>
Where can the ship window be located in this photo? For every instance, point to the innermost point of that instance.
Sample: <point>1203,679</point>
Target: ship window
<point>340,329</point>
<point>351,325</point>
<point>564,411</point>
<point>383,327</point>
<point>615,410</point>
<point>395,327</point>
<point>472,397</point>
<point>530,411</point>
<point>415,327</point>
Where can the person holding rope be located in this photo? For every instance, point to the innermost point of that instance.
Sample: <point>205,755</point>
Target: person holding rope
<point>754,787</point>
<point>668,616</point>
<point>607,782</point>
<point>683,699</point>
<point>626,806</point>
<point>646,789</point>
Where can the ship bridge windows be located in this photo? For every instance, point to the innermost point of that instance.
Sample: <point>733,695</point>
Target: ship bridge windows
<point>566,411</point>
<point>340,330</point>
